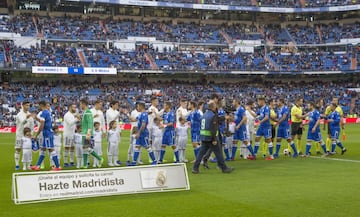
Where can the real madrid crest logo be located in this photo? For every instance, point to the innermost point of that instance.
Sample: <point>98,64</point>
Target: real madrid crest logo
<point>160,179</point>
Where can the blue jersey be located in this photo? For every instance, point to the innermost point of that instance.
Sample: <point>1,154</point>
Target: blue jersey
<point>169,117</point>
<point>221,113</point>
<point>336,117</point>
<point>314,116</point>
<point>239,115</point>
<point>284,111</point>
<point>195,119</point>
<point>143,118</point>
<point>46,116</point>
<point>262,113</point>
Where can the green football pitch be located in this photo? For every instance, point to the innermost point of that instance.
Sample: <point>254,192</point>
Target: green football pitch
<point>284,187</point>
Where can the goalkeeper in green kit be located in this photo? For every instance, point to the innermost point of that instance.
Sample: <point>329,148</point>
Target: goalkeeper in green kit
<point>87,126</point>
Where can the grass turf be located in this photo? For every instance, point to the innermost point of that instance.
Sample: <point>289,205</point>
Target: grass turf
<point>283,187</point>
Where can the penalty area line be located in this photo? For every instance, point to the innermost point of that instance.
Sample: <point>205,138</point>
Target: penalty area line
<point>336,159</point>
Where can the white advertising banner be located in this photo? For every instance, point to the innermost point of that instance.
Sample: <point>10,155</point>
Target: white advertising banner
<point>49,70</point>
<point>33,187</point>
<point>100,71</point>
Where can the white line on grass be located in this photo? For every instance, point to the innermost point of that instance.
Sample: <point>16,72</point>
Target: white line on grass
<point>336,159</point>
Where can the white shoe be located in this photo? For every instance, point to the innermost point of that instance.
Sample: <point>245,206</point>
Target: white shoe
<point>140,162</point>
<point>110,164</point>
<point>185,161</point>
<point>94,165</point>
<point>24,168</point>
<point>116,164</point>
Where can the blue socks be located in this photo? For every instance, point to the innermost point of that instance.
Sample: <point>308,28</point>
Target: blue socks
<point>308,146</point>
<point>136,155</point>
<point>256,148</point>
<point>176,152</point>
<point>151,155</point>
<point>41,158</point>
<point>233,152</point>
<point>294,148</point>
<point>162,153</point>
<point>226,151</point>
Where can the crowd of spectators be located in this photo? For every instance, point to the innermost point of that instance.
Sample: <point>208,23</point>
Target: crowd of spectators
<point>93,28</point>
<point>60,93</point>
<point>274,3</point>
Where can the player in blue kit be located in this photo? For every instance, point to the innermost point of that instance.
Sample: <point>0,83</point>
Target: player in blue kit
<point>334,124</point>
<point>240,130</point>
<point>169,132</point>
<point>283,131</point>
<point>48,138</point>
<point>314,133</point>
<point>264,129</point>
<point>195,120</point>
<point>142,136</point>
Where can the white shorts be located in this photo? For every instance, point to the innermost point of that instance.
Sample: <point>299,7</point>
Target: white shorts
<point>229,141</point>
<point>18,143</point>
<point>250,134</point>
<point>181,142</point>
<point>98,148</point>
<point>27,155</point>
<point>58,150</point>
<point>79,150</point>
<point>68,141</point>
<point>157,143</point>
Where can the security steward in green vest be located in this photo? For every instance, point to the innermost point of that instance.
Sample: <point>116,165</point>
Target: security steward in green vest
<point>209,139</point>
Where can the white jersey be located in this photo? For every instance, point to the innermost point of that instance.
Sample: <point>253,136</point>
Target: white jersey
<point>114,136</point>
<point>112,115</point>
<point>232,126</point>
<point>181,112</point>
<point>69,124</point>
<point>156,134</point>
<point>97,136</point>
<point>99,118</point>
<point>154,112</point>
<point>250,124</point>
<point>22,122</point>
<point>133,139</point>
<point>26,142</point>
<point>57,140</point>
<point>78,139</point>
<point>134,115</point>
<point>182,130</point>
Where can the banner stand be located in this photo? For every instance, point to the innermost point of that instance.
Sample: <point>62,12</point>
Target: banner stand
<point>35,187</point>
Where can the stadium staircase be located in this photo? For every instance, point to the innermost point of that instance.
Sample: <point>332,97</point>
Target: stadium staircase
<point>103,26</point>
<point>227,38</point>
<point>291,38</point>
<point>38,29</point>
<point>319,32</point>
<point>353,63</point>
<point>82,57</point>
<point>272,62</point>
<point>151,61</point>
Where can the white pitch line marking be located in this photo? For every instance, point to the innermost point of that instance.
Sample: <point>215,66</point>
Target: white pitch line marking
<point>336,159</point>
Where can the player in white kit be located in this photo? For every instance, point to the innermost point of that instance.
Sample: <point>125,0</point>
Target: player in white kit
<point>98,115</point>
<point>132,145</point>
<point>157,134</point>
<point>26,144</point>
<point>113,144</point>
<point>229,141</point>
<point>71,118</point>
<point>97,143</point>
<point>250,127</point>
<point>78,145</point>
<point>182,138</point>
<point>112,114</point>
<point>23,119</point>
<point>134,121</point>
<point>57,144</point>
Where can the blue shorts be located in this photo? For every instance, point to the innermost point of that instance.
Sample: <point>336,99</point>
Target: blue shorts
<point>314,136</point>
<point>265,132</point>
<point>195,136</point>
<point>335,133</point>
<point>240,134</point>
<point>168,138</point>
<point>283,132</point>
<point>143,141</point>
<point>48,142</point>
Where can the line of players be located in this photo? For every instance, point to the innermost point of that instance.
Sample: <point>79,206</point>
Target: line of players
<point>154,130</point>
